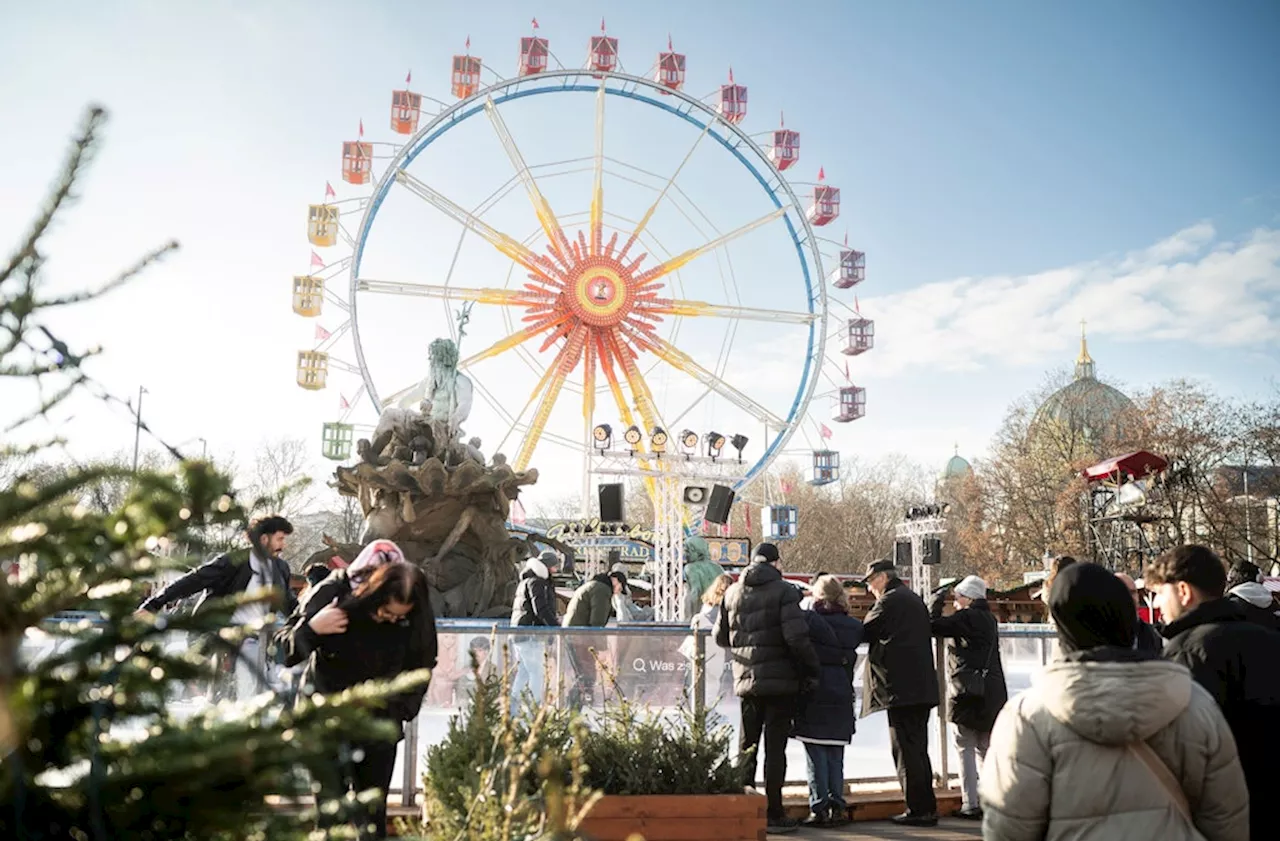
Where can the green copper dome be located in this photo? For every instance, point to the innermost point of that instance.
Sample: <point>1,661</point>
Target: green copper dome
<point>1085,405</point>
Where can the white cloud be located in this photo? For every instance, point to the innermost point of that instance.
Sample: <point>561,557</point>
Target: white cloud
<point>1188,287</point>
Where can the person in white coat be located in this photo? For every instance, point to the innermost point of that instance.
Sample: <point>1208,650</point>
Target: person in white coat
<point>1111,742</point>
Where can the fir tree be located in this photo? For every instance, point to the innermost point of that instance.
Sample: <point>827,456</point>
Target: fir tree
<point>90,747</point>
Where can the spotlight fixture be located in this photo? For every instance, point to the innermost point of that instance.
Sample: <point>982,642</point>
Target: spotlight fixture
<point>921,512</point>
<point>689,442</point>
<point>739,443</point>
<point>632,436</point>
<point>715,443</point>
<point>603,434</point>
<point>658,440</point>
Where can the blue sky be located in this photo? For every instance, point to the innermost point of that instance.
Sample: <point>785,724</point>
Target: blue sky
<point>1009,168</point>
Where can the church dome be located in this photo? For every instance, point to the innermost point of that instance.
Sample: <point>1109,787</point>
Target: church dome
<point>957,468</point>
<point>1085,405</point>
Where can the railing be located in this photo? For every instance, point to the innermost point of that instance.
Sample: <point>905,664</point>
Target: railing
<point>664,666</point>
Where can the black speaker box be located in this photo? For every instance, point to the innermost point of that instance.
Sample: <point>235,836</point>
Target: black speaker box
<point>932,551</point>
<point>902,553</point>
<point>719,504</point>
<point>610,503</point>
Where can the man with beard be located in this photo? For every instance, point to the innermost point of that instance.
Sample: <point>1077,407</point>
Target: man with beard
<point>242,571</point>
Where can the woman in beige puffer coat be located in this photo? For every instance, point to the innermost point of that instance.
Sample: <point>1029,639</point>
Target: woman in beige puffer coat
<point>1062,762</point>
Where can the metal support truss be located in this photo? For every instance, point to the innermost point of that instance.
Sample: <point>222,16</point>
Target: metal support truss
<point>917,531</point>
<point>668,550</point>
<point>670,474</point>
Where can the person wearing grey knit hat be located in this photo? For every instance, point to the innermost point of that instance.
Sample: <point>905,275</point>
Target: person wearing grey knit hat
<point>972,587</point>
<point>976,678</point>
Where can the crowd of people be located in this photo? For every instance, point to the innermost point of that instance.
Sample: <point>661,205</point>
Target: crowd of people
<point>1132,731</point>
<point>1136,729</point>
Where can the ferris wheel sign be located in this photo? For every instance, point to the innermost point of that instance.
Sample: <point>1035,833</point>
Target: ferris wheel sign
<point>592,316</point>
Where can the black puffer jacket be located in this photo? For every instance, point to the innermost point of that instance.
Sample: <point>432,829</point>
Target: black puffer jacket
<point>535,600</point>
<point>1257,603</point>
<point>1236,661</point>
<point>976,650</point>
<point>765,630</point>
<point>826,715</point>
<point>900,671</point>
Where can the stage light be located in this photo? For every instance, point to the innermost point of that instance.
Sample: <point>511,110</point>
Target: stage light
<point>739,443</point>
<point>715,443</point>
<point>603,435</point>
<point>658,440</point>
<point>632,436</point>
<point>689,442</point>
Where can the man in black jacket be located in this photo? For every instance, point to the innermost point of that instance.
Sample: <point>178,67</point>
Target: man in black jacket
<point>901,678</point>
<point>256,568</point>
<point>1244,588</point>
<point>1228,655</point>
<point>534,606</point>
<point>773,661</point>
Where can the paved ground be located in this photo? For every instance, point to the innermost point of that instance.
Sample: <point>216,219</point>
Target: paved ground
<point>948,829</point>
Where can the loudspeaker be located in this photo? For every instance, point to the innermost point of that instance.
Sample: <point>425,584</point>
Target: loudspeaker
<point>902,553</point>
<point>719,504</point>
<point>932,551</point>
<point>610,503</point>
<point>695,495</point>
<point>615,558</point>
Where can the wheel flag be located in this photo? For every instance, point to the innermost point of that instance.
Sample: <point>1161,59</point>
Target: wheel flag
<point>669,47</point>
<point>782,119</point>
<point>408,77</point>
<point>342,403</point>
<point>825,431</point>
<point>731,74</point>
<point>328,191</point>
<point>846,371</point>
<point>822,174</point>
<point>846,239</point>
<point>468,42</point>
<point>535,23</point>
<point>856,308</point>
<point>362,127</point>
<point>316,261</point>
<point>747,511</point>
<point>321,333</point>
<point>602,24</point>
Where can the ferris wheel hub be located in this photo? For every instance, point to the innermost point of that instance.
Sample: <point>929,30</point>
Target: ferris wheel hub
<point>601,292</point>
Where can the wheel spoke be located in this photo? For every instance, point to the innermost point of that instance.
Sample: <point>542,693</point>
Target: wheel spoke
<point>653,208</point>
<point>668,306</point>
<point>559,371</point>
<point>597,189</point>
<point>517,338</point>
<point>663,269</point>
<point>504,243</point>
<point>635,381</point>
<point>541,207</point>
<point>681,361</point>
<point>504,297</point>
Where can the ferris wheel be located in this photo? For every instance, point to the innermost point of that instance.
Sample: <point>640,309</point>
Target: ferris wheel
<point>666,297</point>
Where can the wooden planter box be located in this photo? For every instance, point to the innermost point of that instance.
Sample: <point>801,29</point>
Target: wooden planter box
<point>677,817</point>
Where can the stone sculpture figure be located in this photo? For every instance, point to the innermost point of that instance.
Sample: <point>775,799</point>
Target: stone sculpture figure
<point>445,395</point>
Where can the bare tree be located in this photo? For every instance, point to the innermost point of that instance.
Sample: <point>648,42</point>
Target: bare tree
<point>279,480</point>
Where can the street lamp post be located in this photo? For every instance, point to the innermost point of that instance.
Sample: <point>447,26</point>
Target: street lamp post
<point>137,427</point>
